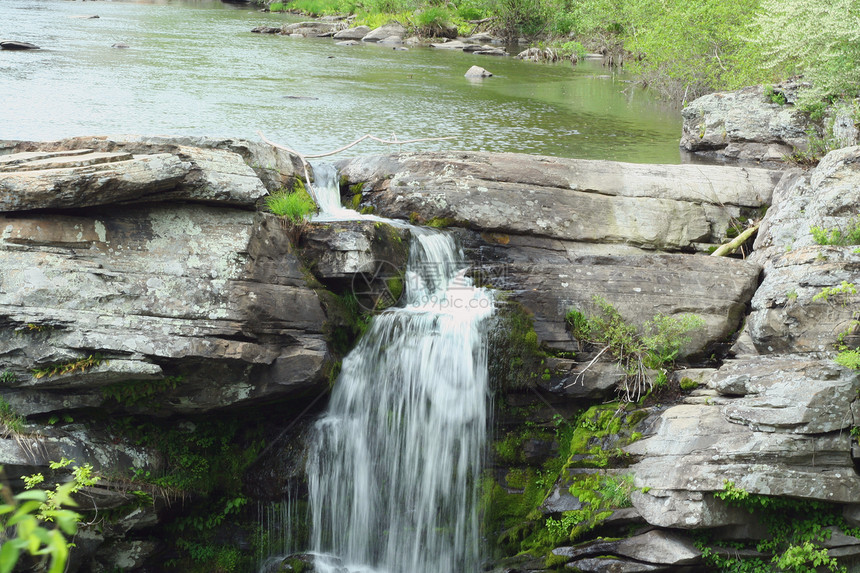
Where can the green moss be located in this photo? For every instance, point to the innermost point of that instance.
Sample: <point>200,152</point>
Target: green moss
<point>688,384</point>
<point>515,354</point>
<point>356,201</point>
<point>441,222</point>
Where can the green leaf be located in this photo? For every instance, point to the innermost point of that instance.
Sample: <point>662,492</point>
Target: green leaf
<point>9,554</point>
<point>34,494</point>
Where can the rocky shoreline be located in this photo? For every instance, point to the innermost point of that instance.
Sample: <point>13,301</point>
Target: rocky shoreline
<point>143,281</point>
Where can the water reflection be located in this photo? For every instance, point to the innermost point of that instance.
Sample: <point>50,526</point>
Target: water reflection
<point>194,67</point>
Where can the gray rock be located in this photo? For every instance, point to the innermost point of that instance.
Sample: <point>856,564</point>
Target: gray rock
<point>793,394</point>
<point>316,28</point>
<point>452,45</point>
<point>212,291</point>
<point>391,41</point>
<point>356,33</point>
<point>267,30</point>
<point>477,72</point>
<point>548,225</point>
<point>490,52</point>
<point>560,500</point>
<point>694,448</point>
<point>656,547</point>
<point>743,125</point>
<point>613,565</point>
<point>348,43</point>
<point>665,207</point>
<point>342,249</point>
<point>120,45</point>
<point>787,316</point>
<point>383,32</point>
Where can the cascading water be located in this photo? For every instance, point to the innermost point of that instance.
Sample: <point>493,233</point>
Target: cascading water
<point>393,467</point>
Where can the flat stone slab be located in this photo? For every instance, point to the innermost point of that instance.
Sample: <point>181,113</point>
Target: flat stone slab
<point>62,160</point>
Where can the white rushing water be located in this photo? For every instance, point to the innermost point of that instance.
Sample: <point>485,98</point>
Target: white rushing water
<point>394,463</point>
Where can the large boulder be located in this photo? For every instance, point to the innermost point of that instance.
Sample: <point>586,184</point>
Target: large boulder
<point>665,207</point>
<point>190,284</point>
<point>789,311</point>
<point>780,427</point>
<point>555,232</point>
<point>744,124</point>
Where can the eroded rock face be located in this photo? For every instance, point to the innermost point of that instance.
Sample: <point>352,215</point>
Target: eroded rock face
<point>779,427</point>
<point>790,314</point>
<point>743,125</point>
<point>194,285</point>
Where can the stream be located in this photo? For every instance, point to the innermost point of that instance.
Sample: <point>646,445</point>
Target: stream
<point>193,67</point>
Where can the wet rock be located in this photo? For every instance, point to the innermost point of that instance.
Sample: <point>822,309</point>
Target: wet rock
<point>15,45</point>
<point>348,43</point>
<point>477,72</point>
<point>342,249</point>
<point>120,45</point>
<point>356,33</point>
<point>658,547</point>
<point>267,30</point>
<point>383,32</point>
<point>613,565</point>
<point>490,51</point>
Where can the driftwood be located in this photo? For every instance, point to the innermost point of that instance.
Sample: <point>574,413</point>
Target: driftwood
<point>731,247</point>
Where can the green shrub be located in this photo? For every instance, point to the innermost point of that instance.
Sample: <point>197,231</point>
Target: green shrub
<point>818,38</point>
<point>654,347</point>
<point>277,7</point>
<point>296,206</point>
<point>839,237</point>
<point>849,359</point>
<point>432,18</point>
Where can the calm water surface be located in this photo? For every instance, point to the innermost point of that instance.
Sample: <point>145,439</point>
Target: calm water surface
<point>194,67</point>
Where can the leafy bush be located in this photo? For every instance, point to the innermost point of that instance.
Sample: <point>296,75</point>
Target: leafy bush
<point>687,48</point>
<point>655,347</point>
<point>818,38</point>
<point>849,359</point>
<point>849,236</point>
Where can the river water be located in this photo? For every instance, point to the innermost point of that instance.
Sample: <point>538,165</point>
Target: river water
<point>194,67</point>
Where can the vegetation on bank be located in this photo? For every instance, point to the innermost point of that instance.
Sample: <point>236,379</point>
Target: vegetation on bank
<point>684,48</point>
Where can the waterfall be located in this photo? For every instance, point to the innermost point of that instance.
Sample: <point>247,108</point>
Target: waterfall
<point>394,462</point>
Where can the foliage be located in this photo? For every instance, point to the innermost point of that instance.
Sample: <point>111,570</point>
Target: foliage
<point>277,7</point>
<point>8,377</point>
<point>849,236</point>
<point>688,384</point>
<point>691,47</point>
<point>849,359</point>
<point>636,352</point>
<point>795,529</point>
<point>774,96</point>
<point>22,517</point>
<point>296,206</point>
<point>12,420</point>
<point>516,358</point>
<point>845,288</point>
<point>68,367</point>
<point>818,38</point>
<point>134,392</point>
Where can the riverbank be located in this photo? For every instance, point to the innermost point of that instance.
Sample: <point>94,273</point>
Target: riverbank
<point>684,49</point>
